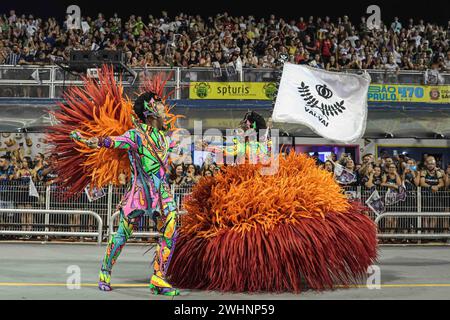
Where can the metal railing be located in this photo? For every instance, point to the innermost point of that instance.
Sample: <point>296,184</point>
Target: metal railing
<point>29,227</point>
<point>415,225</point>
<point>421,215</point>
<point>50,213</point>
<point>51,81</point>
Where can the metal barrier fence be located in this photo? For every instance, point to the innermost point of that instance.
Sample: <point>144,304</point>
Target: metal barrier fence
<point>422,214</point>
<point>424,225</point>
<point>46,214</point>
<point>21,81</point>
<point>29,228</point>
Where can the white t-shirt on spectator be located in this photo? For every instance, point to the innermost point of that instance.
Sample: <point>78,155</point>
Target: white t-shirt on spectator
<point>397,56</point>
<point>418,39</point>
<point>31,30</point>
<point>447,64</point>
<point>164,27</point>
<point>391,66</point>
<point>352,40</point>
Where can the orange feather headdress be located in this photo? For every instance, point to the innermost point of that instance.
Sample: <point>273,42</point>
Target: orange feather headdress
<point>97,109</point>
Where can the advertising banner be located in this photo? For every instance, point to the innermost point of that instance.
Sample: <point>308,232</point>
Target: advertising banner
<point>232,90</point>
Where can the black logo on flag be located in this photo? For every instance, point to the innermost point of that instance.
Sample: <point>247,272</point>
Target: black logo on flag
<point>323,91</point>
<point>327,109</point>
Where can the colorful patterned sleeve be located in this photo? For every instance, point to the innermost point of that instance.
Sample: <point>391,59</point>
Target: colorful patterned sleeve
<point>173,143</point>
<point>125,141</point>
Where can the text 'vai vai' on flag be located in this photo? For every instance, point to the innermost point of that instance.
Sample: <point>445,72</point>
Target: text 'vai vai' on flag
<point>332,104</point>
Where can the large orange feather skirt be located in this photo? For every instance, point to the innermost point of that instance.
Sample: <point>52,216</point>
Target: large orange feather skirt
<point>288,232</point>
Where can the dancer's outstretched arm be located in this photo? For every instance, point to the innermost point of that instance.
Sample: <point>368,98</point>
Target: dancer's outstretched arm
<point>125,141</point>
<point>227,150</point>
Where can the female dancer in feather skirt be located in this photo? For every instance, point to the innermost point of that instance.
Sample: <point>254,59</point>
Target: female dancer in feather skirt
<point>286,232</point>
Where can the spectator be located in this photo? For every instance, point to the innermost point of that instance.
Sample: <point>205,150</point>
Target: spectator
<point>411,175</point>
<point>386,163</point>
<point>447,177</point>
<point>329,166</point>
<point>192,176</point>
<point>316,158</point>
<point>431,178</point>
<point>24,171</point>
<point>208,173</point>
<point>6,169</point>
<point>447,62</point>
<point>431,181</point>
<point>391,179</point>
<point>14,56</point>
<point>49,172</point>
<point>333,65</point>
<point>355,63</point>
<point>396,26</point>
<point>177,177</point>
<point>374,177</point>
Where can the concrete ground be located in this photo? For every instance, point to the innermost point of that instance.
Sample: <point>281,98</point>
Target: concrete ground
<point>41,271</point>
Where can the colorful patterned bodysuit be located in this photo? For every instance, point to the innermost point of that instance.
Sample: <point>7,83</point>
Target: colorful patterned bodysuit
<point>149,193</point>
<point>249,151</point>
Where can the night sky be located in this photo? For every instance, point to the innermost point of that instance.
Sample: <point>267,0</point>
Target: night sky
<point>431,10</point>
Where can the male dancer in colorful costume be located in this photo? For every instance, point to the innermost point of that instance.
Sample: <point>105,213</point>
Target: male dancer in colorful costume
<point>112,136</point>
<point>148,150</point>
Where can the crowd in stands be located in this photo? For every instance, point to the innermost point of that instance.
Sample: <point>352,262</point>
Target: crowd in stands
<point>187,175</point>
<point>385,172</point>
<point>392,172</point>
<point>41,169</point>
<point>194,41</point>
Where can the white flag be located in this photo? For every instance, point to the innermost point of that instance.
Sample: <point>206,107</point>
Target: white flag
<point>332,104</point>
<point>32,192</point>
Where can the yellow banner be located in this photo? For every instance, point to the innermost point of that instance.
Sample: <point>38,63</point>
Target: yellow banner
<point>266,90</point>
<point>408,93</point>
<point>232,90</point>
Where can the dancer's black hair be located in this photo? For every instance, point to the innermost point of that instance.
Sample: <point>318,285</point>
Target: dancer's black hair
<point>257,121</point>
<point>139,107</point>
